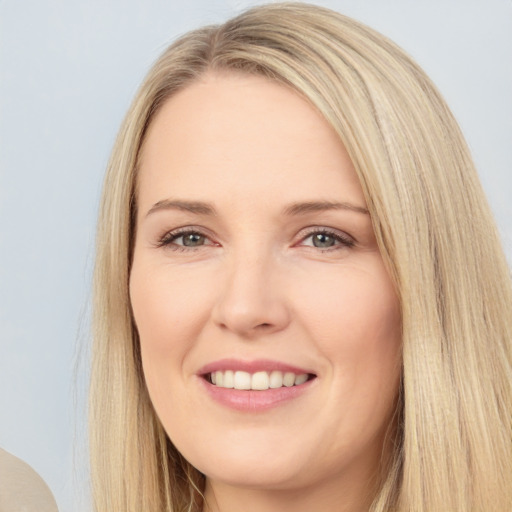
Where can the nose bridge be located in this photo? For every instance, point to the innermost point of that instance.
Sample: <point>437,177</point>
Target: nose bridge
<point>251,299</point>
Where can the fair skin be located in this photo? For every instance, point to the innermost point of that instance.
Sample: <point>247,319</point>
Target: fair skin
<point>254,252</point>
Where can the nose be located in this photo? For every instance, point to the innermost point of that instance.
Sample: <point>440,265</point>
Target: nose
<point>252,299</point>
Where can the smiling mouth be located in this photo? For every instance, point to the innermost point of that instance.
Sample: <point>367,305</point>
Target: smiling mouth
<point>258,381</point>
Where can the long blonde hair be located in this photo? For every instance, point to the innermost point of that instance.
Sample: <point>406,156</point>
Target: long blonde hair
<point>453,450</point>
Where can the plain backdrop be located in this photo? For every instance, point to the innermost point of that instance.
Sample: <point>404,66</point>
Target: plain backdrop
<point>68,70</point>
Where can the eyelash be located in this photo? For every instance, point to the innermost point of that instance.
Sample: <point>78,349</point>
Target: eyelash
<point>343,240</point>
<point>169,238</point>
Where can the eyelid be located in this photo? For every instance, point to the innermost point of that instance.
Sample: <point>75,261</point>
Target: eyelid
<point>342,237</point>
<point>167,238</point>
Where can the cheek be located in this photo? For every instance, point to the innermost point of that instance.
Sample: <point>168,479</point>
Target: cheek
<point>167,308</point>
<point>170,309</point>
<point>352,305</point>
<point>356,323</point>
<point>160,318</point>
<point>354,318</point>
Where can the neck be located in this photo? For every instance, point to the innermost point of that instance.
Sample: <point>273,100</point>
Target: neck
<point>331,496</point>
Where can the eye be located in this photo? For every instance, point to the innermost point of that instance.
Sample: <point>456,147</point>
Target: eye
<point>190,240</point>
<point>184,239</point>
<point>325,239</point>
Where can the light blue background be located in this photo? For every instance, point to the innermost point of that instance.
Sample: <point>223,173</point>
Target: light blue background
<point>68,70</point>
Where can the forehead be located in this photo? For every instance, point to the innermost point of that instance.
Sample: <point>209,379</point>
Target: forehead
<point>228,135</point>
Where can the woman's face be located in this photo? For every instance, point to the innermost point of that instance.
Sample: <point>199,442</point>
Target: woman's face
<point>256,266</point>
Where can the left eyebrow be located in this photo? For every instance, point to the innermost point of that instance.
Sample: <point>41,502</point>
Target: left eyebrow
<point>320,206</point>
<point>197,207</point>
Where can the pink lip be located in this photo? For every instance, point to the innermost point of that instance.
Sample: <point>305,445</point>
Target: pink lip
<point>252,400</point>
<point>257,365</point>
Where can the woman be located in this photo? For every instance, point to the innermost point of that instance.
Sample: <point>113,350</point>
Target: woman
<point>301,300</point>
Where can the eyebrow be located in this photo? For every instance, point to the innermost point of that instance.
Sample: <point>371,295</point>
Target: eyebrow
<point>197,207</point>
<point>300,208</point>
<point>320,206</point>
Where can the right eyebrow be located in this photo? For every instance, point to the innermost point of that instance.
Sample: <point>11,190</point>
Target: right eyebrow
<point>197,207</point>
<point>321,206</point>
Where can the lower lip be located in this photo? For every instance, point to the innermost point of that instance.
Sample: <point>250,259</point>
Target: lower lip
<point>252,400</point>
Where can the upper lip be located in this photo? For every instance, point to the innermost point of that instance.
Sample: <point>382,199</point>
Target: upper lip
<point>256,365</point>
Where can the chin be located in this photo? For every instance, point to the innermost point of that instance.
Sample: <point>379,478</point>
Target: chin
<point>254,474</point>
<point>251,464</point>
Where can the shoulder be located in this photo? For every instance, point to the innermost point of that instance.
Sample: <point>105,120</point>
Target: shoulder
<point>21,488</point>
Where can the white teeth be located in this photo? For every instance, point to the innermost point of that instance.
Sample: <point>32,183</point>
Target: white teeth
<point>228,381</point>
<point>242,380</point>
<point>300,379</point>
<point>276,379</point>
<point>289,379</point>
<point>257,381</point>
